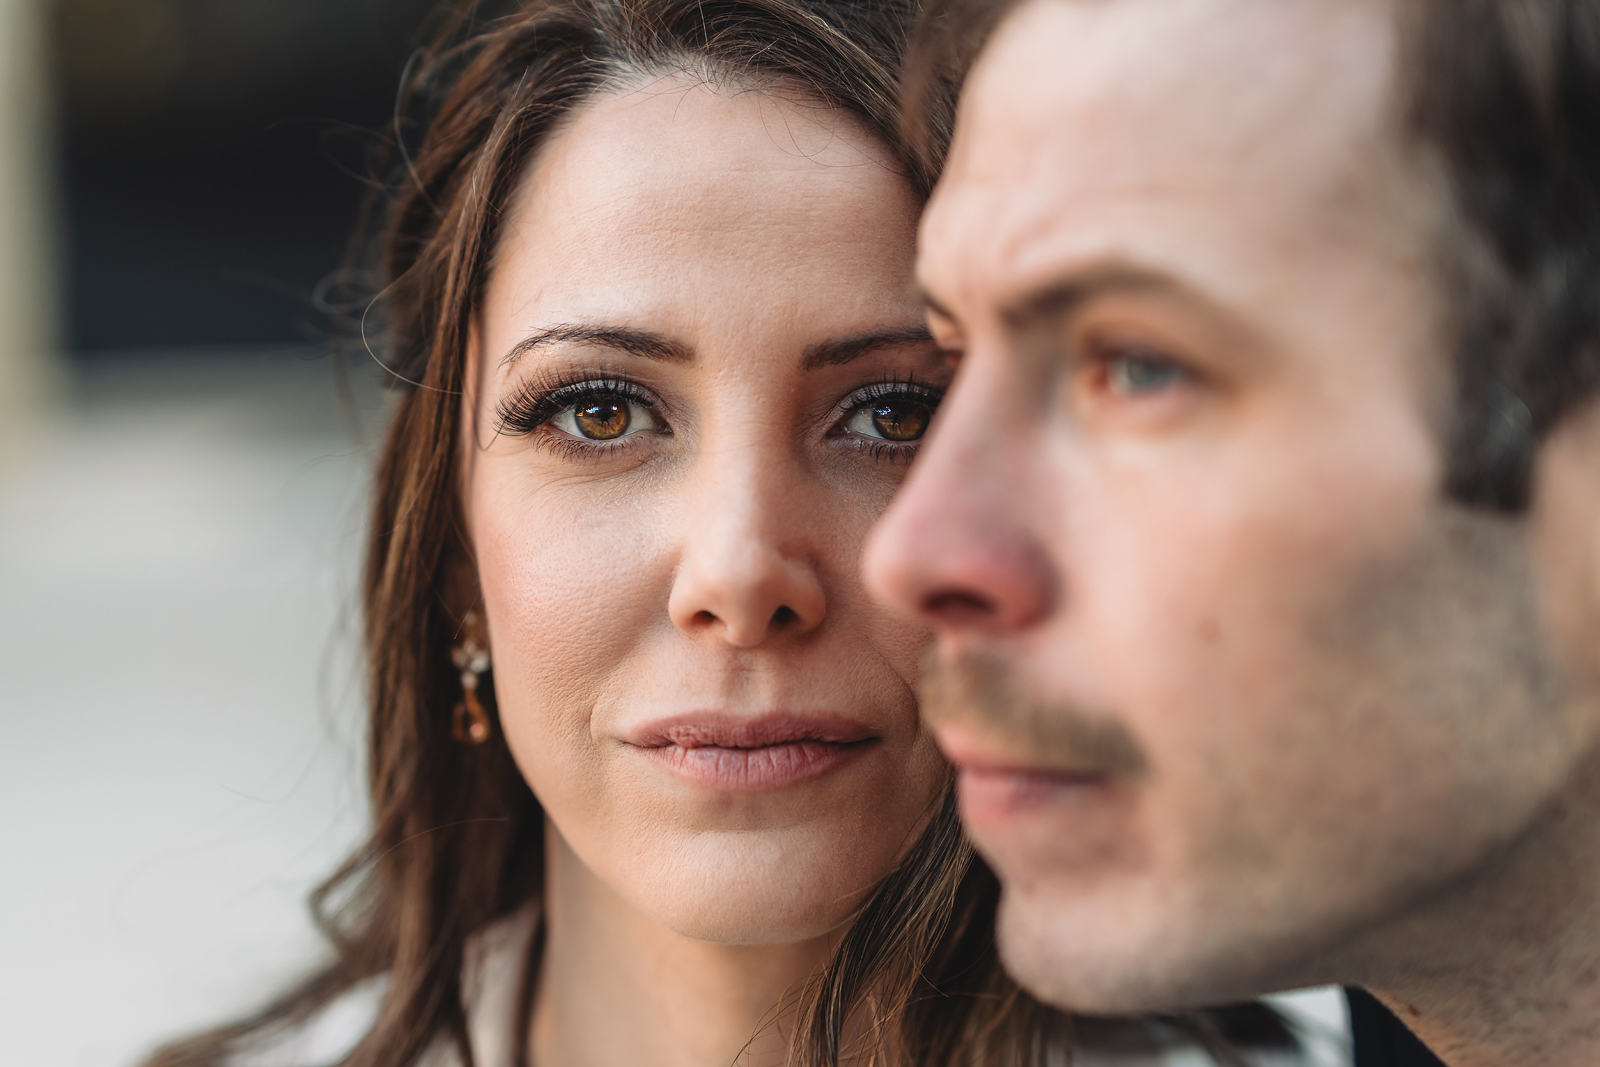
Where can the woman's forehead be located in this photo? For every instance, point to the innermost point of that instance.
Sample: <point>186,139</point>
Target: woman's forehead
<point>680,154</point>
<point>676,195</point>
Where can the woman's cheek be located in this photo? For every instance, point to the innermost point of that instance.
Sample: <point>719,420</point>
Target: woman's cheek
<point>569,593</point>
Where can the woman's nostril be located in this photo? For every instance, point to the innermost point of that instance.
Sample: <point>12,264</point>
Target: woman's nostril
<point>784,616</point>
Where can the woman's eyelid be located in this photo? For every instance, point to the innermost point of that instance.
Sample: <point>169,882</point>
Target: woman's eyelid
<point>570,392</point>
<point>908,385</point>
<point>890,388</point>
<point>537,401</point>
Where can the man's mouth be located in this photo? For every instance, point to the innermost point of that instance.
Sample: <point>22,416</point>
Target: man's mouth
<point>997,786</point>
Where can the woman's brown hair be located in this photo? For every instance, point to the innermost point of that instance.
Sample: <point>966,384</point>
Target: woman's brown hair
<point>457,836</point>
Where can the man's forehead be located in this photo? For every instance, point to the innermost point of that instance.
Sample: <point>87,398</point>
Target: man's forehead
<point>1079,109</point>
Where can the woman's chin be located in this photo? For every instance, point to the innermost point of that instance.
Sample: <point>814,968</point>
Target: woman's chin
<point>772,865</point>
<point>745,891</point>
<point>754,920</point>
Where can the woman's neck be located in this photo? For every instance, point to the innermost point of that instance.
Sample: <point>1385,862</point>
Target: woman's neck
<point>617,989</point>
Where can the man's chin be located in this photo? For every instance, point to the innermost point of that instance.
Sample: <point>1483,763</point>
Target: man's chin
<point>1039,950</point>
<point>1097,954</point>
<point>1128,946</point>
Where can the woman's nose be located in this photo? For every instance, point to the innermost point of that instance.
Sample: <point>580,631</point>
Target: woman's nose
<point>749,571</point>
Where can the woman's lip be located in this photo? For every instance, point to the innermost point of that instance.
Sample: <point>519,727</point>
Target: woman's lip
<point>729,731</point>
<point>738,752</point>
<point>767,767</point>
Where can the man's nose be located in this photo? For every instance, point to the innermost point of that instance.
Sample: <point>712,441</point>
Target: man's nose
<point>749,569</point>
<point>956,546</point>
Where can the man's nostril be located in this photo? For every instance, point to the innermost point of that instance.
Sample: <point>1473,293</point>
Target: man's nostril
<point>958,607</point>
<point>784,616</point>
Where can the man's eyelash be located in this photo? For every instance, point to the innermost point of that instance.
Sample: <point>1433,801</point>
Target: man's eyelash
<point>537,401</point>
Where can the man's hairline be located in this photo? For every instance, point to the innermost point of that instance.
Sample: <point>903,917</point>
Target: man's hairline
<point>1456,253</point>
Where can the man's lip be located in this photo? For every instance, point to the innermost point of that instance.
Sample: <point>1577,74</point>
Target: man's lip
<point>997,786</point>
<point>715,729</point>
<point>1001,801</point>
<point>976,754</point>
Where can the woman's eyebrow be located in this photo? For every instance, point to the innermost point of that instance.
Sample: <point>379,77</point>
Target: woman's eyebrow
<point>845,349</point>
<point>622,338</point>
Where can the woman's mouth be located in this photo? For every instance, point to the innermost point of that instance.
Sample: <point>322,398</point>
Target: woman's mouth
<point>749,753</point>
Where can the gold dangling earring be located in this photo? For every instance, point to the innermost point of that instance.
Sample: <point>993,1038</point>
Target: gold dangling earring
<point>469,722</point>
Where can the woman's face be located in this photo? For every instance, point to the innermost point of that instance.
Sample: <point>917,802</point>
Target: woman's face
<point>697,377</point>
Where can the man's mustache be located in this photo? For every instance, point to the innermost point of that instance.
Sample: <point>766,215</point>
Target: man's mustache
<point>987,692</point>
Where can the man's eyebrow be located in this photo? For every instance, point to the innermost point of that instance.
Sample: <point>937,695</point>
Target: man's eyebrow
<point>845,349</point>
<point>622,338</point>
<point>1059,299</point>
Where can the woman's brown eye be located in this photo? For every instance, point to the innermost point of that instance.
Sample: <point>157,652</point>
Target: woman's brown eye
<point>900,420</point>
<point>602,418</point>
<point>605,417</point>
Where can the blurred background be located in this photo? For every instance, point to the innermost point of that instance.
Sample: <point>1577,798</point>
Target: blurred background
<point>209,157</point>
<point>181,488</point>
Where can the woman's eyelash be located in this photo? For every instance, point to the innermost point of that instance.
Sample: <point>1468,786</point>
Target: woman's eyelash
<point>898,439</point>
<point>536,401</point>
<point>892,389</point>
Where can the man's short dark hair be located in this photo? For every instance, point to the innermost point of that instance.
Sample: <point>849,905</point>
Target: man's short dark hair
<point>1505,96</point>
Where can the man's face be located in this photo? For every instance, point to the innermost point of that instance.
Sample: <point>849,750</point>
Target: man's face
<point>1231,685</point>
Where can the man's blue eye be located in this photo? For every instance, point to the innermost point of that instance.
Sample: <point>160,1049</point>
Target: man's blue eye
<point>1133,374</point>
